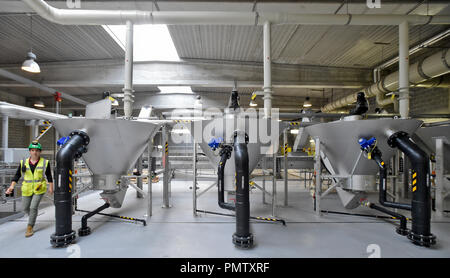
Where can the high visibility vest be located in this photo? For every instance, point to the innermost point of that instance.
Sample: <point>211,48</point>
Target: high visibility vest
<point>34,183</point>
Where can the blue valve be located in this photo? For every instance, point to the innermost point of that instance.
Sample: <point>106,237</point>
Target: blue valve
<point>214,143</point>
<point>62,141</point>
<point>364,143</point>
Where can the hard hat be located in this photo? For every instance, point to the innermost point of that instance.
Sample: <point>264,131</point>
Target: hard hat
<point>35,145</point>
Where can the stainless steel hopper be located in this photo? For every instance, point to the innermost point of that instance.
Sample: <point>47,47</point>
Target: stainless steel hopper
<point>339,145</point>
<point>427,136</point>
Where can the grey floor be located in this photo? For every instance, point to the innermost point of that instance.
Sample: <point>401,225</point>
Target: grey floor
<point>175,232</point>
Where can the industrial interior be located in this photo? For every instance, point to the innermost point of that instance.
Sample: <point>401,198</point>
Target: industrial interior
<point>238,129</point>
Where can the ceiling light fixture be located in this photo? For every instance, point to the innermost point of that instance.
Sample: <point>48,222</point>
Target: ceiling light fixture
<point>39,104</point>
<point>30,64</point>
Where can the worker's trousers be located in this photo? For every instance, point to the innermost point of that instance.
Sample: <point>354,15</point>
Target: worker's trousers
<point>30,206</point>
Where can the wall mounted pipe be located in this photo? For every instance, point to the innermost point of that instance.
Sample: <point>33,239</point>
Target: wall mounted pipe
<point>74,148</point>
<point>242,238</point>
<point>110,17</point>
<point>420,233</point>
<point>403,71</point>
<point>41,87</point>
<point>431,67</point>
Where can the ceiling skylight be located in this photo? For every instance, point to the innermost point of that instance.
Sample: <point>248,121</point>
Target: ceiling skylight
<point>151,42</point>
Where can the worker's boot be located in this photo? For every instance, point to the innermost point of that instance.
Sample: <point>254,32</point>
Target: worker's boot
<point>29,231</point>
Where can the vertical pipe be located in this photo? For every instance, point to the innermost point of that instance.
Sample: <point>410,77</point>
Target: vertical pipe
<point>128,86</point>
<point>274,183</point>
<point>5,122</point>
<point>318,171</point>
<point>194,178</point>
<point>439,176</point>
<point>55,145</point>
<point>149,178</point>
<point>267,72</point>
<point>403,73</point>
<point>285,168</point>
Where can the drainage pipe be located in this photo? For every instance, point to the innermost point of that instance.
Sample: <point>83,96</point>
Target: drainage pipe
<point>225,154</point>
<point>120,17</point>
<point>421,202</point>
<point>433,66</point>
<point>85,230</point>
<point>74,148</point>
<point>242,238</point>
<point>402,229</point>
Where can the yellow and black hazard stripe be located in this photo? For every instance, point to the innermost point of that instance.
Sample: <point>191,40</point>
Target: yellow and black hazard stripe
<point>270,219</point>
<point>167,148</point>
<point>285,148</point>
<point>44,129</point>
<point>294,123</point>
<point>182,121</point>
<point>47,123</point>
<point>414,181</point>
<point>70,180</point>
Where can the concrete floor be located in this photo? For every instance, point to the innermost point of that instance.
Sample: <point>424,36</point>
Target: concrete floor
<point>175,232</point>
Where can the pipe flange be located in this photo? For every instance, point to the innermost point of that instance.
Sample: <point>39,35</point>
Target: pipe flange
<point>84,231</point>
<point>402,231</point>
<point>393,138</point>
<point>63,240</point>
<point>422,240</point>
<point>244,242</point>
<point>83,134</point>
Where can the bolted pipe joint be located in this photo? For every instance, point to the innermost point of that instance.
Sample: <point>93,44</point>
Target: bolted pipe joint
<point>74,148</point>
<point>420,233</point>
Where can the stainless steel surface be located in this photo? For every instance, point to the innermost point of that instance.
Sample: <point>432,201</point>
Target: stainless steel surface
<point>99,110</point>
<point>224,127</point>
<point>114,146</point>
<point>361,183</point>
<point>339,141</point>
<point>22,112</point>
<point>105,182</point>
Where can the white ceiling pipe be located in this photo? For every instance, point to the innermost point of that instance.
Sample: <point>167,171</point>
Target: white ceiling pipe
<point>403,62</point>
<point>432,66</point>
<point>26,113</point>
<point>111,17</point>
<point>128,86</point>
<point>41,87</point>
<point>267,71</point>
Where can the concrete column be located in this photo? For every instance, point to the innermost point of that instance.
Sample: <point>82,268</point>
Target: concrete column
<point>403,74</point>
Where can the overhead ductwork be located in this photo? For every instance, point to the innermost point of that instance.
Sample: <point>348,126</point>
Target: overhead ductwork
<point>427,70</point>
<point>110,17</point>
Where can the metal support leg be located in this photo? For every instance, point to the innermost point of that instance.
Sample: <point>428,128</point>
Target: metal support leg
<point>274,184</point>
<point>285,168</point>
<point>139,180</point>
<point>263,166</point>
<point>440,177</point>
<point>194,179</point>
<point>5,127</point>
<point>166,165</point>
<point>318,171</point>
<point>149,179</point>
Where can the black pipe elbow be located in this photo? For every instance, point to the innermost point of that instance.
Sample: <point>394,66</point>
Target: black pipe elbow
<point>361,105</point>
<point>74,148</point>
<point>85,230</point>
<point>420,233</point>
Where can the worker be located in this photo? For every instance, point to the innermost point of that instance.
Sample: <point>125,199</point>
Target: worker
<point>34,184</point>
